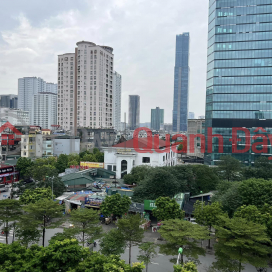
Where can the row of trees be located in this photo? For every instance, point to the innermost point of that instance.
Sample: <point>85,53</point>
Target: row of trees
<point>167,181</point>
<point>245,238</point>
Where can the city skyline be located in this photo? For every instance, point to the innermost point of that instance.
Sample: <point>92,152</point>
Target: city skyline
<point>147,70</point>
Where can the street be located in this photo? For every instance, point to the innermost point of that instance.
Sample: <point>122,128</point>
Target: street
<point>161,263</point>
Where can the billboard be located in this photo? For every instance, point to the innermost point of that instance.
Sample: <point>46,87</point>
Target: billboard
<point>92,164</point>
<point>149,205</point>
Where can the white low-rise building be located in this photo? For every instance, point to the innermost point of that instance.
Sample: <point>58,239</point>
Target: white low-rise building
<point>122,157</point>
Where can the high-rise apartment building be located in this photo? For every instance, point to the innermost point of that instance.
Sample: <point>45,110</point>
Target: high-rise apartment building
<point>44,110</point>
<point>27,87</point>
<point>134,112</point>
<point>85,87</point>
<point>181,83</point>
<point>51,88</point>
<point>117,94</point>
<point>191,115</point>
<point>239,76</point>
<point>157,118</point>
<point>9,101</point>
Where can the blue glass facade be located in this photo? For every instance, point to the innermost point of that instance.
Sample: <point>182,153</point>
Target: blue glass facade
<point>181,83</point>
<point>239,74</point>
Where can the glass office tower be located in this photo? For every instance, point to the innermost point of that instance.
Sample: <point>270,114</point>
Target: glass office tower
<point>157,118</point>
<point>134,112</point>
<point>239,75</point>
<point>181,83</point>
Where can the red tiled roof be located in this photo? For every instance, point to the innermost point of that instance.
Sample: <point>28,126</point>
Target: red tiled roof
<point>142,143</point>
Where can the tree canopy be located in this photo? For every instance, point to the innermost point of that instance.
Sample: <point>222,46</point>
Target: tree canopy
<point>167,208</point>
<point>229,168</point>
<point>34,195</point>
<point>115,204</point>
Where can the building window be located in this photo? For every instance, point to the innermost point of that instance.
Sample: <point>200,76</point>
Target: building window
<point>114,168</point>
<point>109,167</point>
<point>146,160</point>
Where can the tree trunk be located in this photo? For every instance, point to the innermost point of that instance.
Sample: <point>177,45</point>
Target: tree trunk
<point>13,235</point>
<point>6,232</point>
<point>83,238</point>
<point>129,259</point>
<point>43,231</point>
<point>209,245</point>
<point>146,267</point>
<point>240,266</point>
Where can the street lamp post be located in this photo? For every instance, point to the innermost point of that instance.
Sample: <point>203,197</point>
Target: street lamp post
<point>52,186</point>
<point>202,199</point>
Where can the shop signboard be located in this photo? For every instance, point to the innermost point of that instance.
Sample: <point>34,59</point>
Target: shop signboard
<point>149,205</point>
<point>92,164</point>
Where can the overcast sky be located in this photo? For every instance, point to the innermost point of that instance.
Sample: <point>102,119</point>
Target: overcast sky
<point>142,33</point>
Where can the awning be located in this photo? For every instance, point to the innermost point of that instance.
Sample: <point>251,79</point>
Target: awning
<point>74,202</point>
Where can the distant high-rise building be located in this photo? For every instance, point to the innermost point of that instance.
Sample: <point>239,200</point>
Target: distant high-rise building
<point>146,124</point>
<point>181,83</point>
<point>191,115</point>
<point>44,110</point>
<point>157,118</point>
<point>134,112</point>
<point>117,93</point>
<point>9,101</point>
<point>85,87</point>
<point>28,87</point>
<point>201,117</point>
<point>52,88</point>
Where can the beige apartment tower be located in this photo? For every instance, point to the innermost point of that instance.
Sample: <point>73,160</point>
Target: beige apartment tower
<point>85,87</point>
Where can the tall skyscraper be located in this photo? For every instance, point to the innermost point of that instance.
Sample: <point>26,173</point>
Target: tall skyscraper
<point>157,118</point>
<point>27,87</point>
<point>239,75</point>
<point>134,112</point>
<point>85,87</point>
<point>9,101</point>
<point>117,93</point>
<point>191,115</point>
<point>44,110</point>
<point>181,83</point>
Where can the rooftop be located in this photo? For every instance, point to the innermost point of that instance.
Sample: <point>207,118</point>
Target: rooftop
<point>142,143</point>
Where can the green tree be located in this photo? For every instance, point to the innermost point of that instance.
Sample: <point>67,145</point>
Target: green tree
<point>74,157</point>
<point>115,204</point>
<point>43,210</point>
<point>261,216</point>
<point>23,164</point>
<point>243,241</point>
<point>147,253</point>
<point>160,182</point>
<point>86,225</point>
<point>32,196</point>
<point>97,262</point>
<point>28,230</point>
<point>39,173</point>
<point>180,147</point>
<point>167,208</point>
<point>187,267</point>
<point>89,158</point>
<point>60,236</point>
<point>137,174</point>
<point>228,196</point>
<point>10,210</point>
<point>129,227</point>
<point>208,215</point>
<point>62,163</point>
<point>256,192</point>
<point>112,243</point>
<point>229,167</point>
<point>99,156</point>
<point>59,256</point>
<point>206,178</point>
<point>181,233</point>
